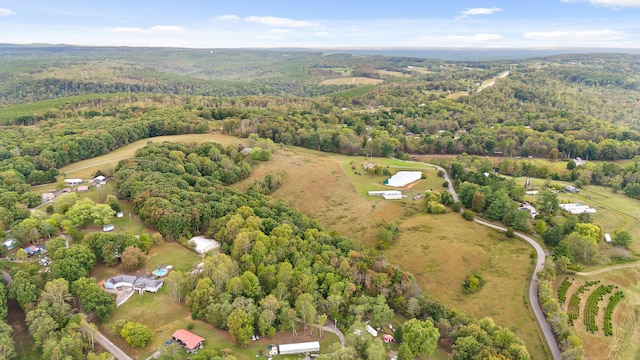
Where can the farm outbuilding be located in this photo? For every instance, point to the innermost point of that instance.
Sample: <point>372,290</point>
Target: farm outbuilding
<point>299,348</point>
<point>190,341</point>
<point>607,238</point>
<point>403,178</point>
<point>387,194</point>
<point>72,182</point>
<point>576,209</point>
<point>203,245</point>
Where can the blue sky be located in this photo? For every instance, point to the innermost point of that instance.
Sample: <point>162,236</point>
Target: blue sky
<point>328,23</point>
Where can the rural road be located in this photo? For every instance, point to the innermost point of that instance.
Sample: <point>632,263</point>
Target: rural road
<point>533,290</point>
<point>533,285</point>
<point>99,338</point>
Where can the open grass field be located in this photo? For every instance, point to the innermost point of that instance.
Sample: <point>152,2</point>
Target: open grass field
<point>440,250</point>
<point>625,342</point>
<point>358,80</point>
<point>393,73</point>
<point>86,168</point>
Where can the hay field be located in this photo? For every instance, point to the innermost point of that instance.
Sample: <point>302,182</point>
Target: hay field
<point>440,250</point>
<point>358,80</point>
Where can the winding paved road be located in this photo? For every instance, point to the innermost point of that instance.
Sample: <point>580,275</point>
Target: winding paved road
<point>533,285</point>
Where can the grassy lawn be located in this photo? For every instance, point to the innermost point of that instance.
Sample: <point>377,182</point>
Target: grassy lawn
<point>365,182</point>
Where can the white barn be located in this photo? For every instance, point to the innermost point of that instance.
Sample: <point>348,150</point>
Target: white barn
<point>299,348</point>
<point>576,209</point>
<point>403,178</point>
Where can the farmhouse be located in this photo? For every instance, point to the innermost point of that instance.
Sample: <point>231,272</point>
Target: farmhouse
<point>190,341</point>
<point>203,245</point>
<point>72,182</point>
<point>403,178</point>
<point>528,207</point>
<point>299,348</point>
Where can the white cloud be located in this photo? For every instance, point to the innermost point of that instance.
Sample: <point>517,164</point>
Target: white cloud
<point>576,35</point>
<point>226,18</point>
<point>610,3</point>
<point>6,12</point>
<point>279,22</point>
<point>476,37</point>
<point>153,29</point>
<point>321,33</point>
<point>279,31</point>
<point>480,11</point>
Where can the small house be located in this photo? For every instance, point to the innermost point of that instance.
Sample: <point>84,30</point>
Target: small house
<point>108,227</point>
<point>190,341</point>
<point>83,188</point>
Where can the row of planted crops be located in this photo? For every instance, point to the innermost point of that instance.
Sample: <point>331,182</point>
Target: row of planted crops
<point>595,295</point>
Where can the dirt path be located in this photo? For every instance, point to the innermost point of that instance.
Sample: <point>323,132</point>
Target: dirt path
<point>607,269</point>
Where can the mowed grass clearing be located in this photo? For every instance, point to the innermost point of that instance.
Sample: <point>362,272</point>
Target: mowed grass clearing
<point>441,250</point>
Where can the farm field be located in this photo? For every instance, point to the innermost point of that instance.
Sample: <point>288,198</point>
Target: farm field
<point>624,343</point>
<point>326,194</point>
<point>358,80</point>
<point>441,250</point>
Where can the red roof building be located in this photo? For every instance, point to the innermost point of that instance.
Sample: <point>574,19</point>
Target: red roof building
<point>189,340</point>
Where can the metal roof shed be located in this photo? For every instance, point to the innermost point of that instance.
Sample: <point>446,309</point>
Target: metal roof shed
<point>299,348</point>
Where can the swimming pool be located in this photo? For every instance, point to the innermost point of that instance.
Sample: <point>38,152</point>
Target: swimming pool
<point>160,272</point>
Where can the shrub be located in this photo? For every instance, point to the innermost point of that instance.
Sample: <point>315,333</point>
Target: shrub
<point>456,206</point>
<point>468,215</point>
<point>445,184</point>
<point>473,283</point>
<point>510,233</point>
